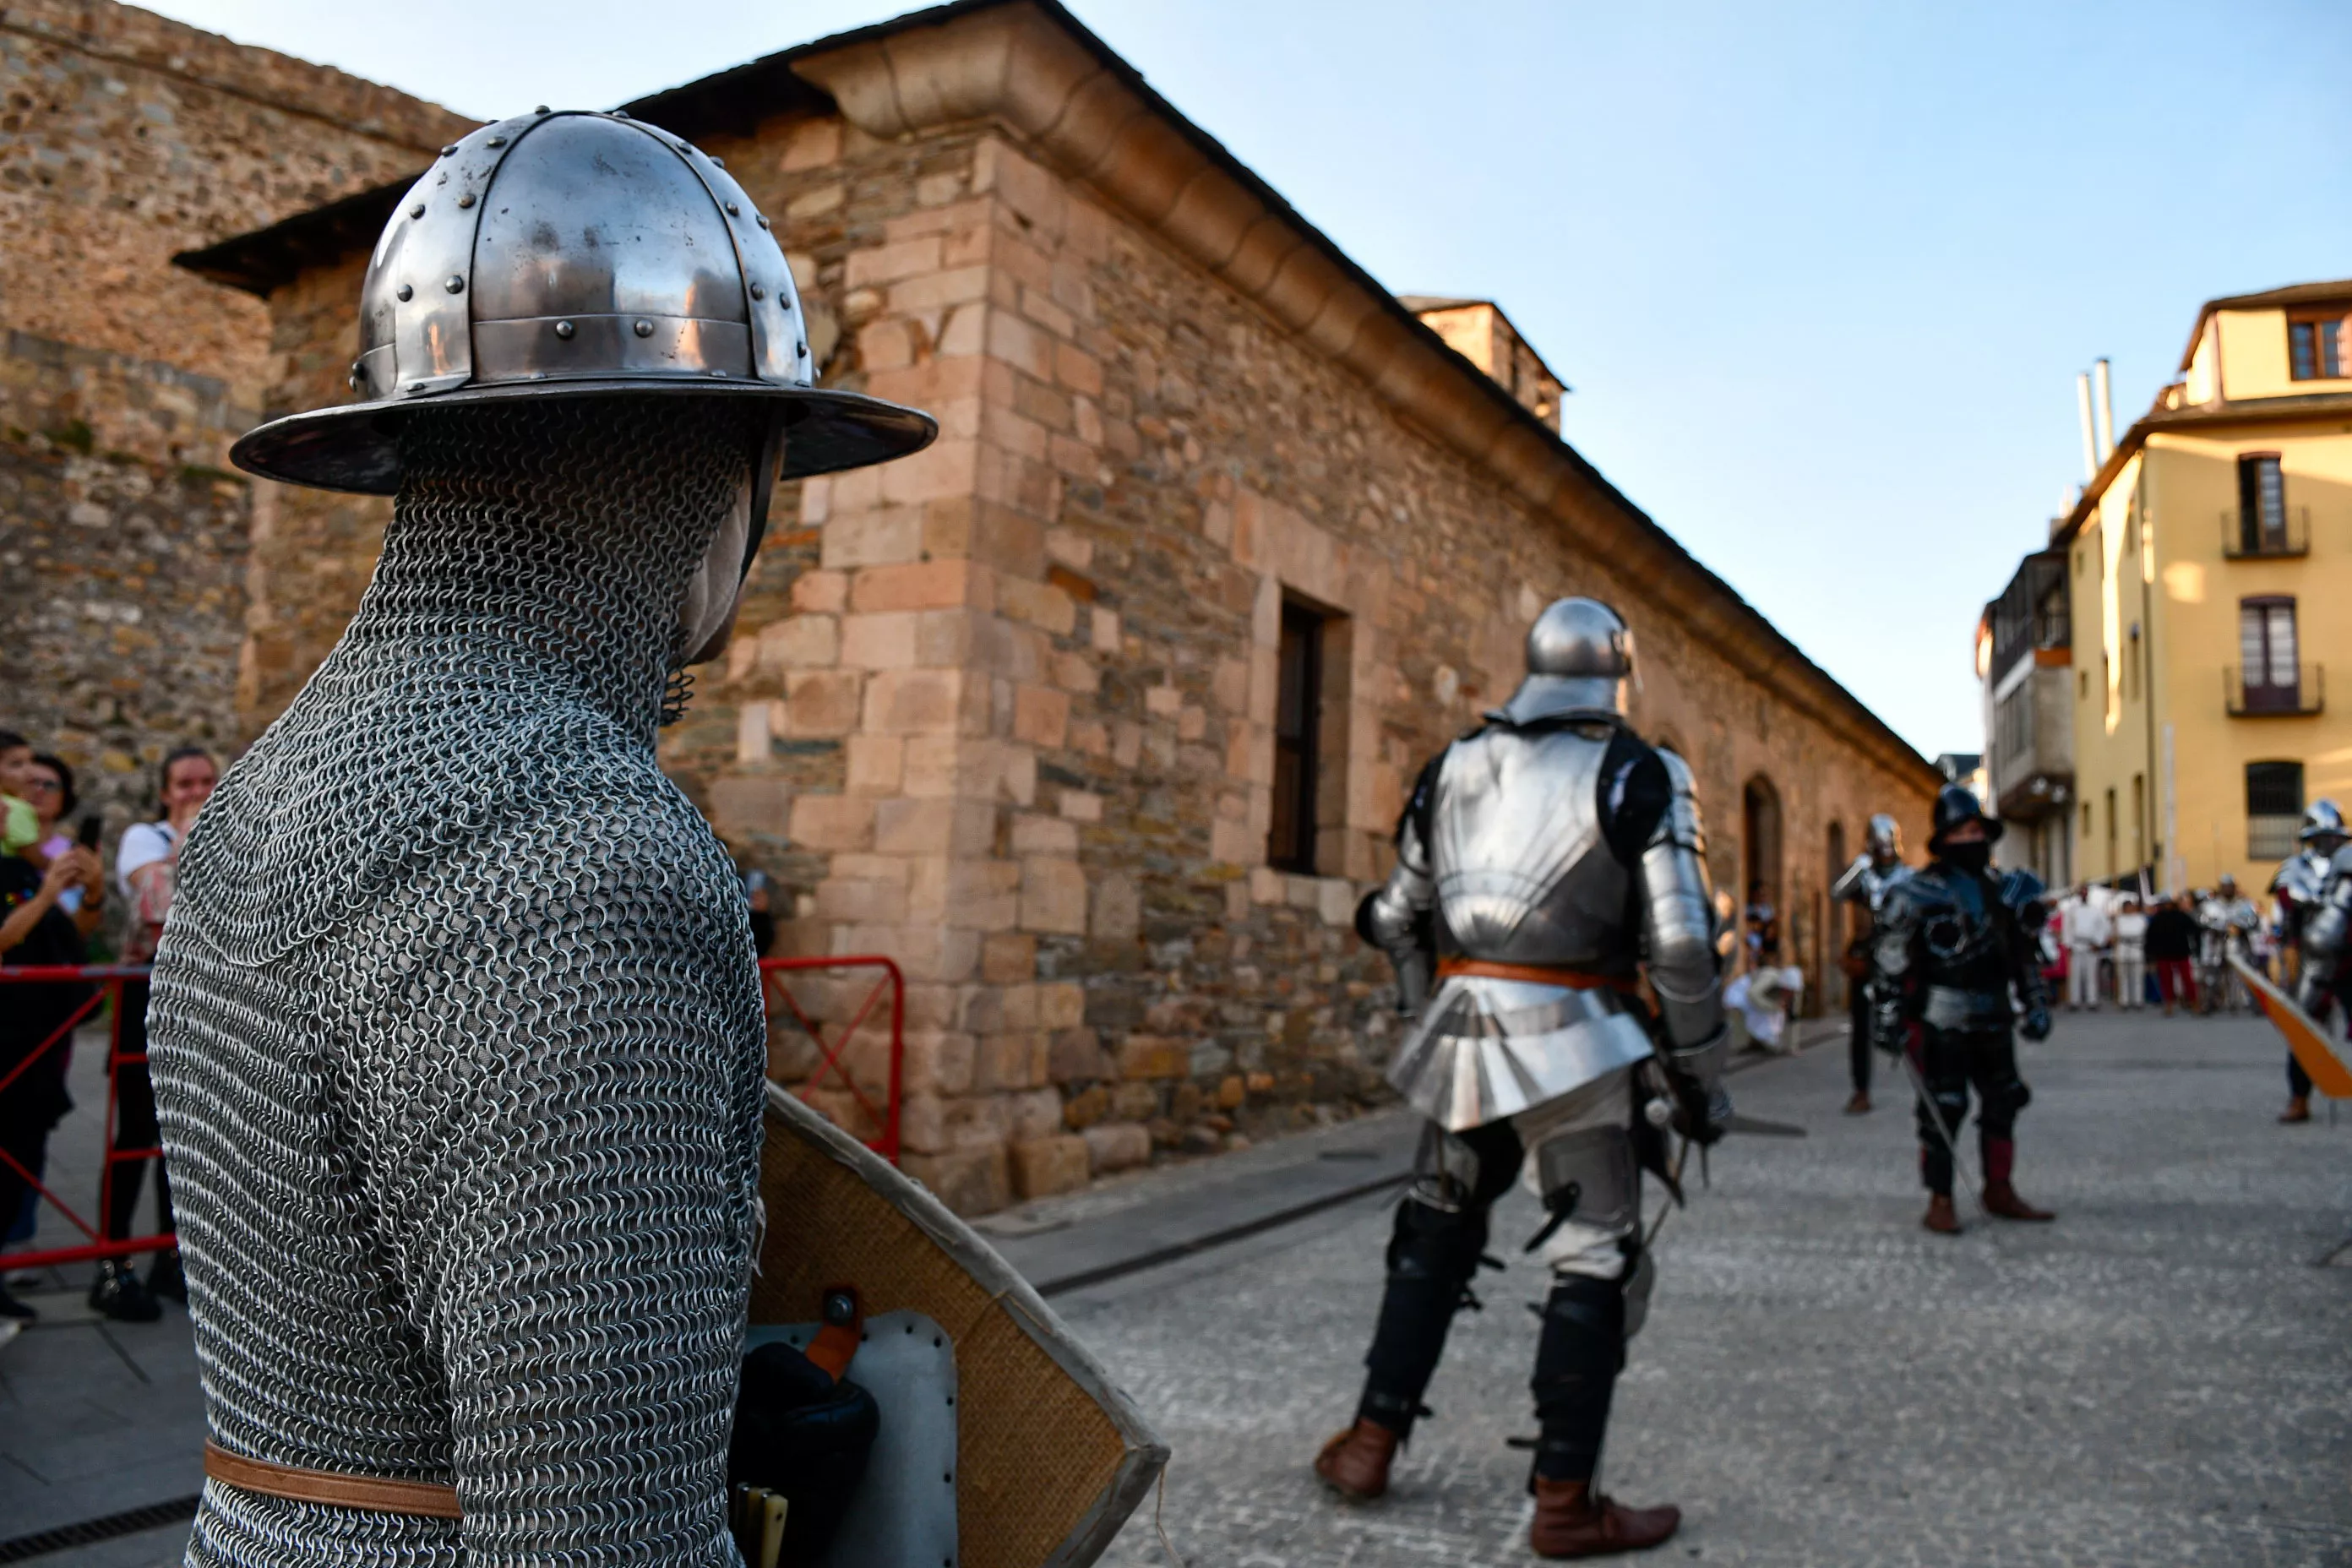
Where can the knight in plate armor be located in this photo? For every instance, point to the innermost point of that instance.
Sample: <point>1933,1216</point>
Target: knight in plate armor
<point>2226,922</point>
<point>456,1031</point>
<point>1876,872</point>
<point>1953,941</point>
<point>1548,864</point>
<point>2298,886</point>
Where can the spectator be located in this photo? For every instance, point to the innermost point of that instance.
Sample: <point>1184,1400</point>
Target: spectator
<point>2171,945</point>
<point>1763,929</point>
<point>2131,955</point>
<point>146,866</point>
<point>34,931</point>
<point>20,825</point>
<point>2088,931</point>
<point>50,789</point>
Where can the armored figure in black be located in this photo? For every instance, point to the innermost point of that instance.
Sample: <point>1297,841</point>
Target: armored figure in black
<point>1547,865</point>
<point>1954,940</point>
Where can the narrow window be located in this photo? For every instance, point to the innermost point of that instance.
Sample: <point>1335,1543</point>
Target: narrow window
<point>2274,809</point>
<point>1298,687</point>
<point>2261,504</point>
<point>2268,674</point>
<point>2316,348</point>
<point>2111,835</point>
<point>2139,820</point>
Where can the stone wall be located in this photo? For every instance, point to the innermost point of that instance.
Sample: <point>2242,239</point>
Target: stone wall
<point>125,138</point>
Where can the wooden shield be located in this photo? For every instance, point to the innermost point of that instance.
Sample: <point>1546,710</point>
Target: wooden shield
<point>1052,1457</point>
<point>2304,1036</point>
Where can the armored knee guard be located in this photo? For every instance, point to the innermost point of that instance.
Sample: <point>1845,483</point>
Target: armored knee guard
<point>1438,1245</point>
<point>1582,1351</point>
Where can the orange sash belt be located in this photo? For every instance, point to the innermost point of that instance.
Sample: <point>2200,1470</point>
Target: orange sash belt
<point>1536,974</point>
<point>419,1499</point>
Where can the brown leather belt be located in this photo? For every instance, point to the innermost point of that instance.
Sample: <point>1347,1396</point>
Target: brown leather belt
<point>1535,974</point>
<point>419,1499</point>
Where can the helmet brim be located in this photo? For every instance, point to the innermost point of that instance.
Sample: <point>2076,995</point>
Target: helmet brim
<point>356,447</point>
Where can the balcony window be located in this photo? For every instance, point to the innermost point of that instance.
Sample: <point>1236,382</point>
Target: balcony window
<point>2267,678</point>
<point>2274,809</point>
<point>2314,348</point>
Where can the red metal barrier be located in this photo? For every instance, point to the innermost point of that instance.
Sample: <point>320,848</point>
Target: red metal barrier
<point>108,980</point>
<point>885,1141</point>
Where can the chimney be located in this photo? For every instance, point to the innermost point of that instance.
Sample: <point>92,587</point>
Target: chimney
<point>2090,434</point>
<point>2106,411</point>
<point>1479,332</point>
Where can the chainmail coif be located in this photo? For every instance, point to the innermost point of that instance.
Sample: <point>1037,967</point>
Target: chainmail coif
<point>457,1035</point>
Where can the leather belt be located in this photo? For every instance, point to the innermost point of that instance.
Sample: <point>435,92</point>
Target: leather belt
<point>1536,974</point>
<point>418,1500</point>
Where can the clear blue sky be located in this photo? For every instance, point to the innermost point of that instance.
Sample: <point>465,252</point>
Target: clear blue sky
<point>1820,274</point>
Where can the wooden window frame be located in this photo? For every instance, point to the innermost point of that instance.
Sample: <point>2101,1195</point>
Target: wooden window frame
<point>2317,318</point>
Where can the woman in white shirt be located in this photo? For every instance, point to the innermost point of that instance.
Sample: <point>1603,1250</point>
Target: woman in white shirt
<point>2131,955</point>
<point>146,865</point>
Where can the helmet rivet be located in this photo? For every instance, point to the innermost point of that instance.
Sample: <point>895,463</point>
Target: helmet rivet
<point>763,220</point>
<point>644,328</point>
<point>415,386</point>
<point>466,200</point>
<point>416,211</point>
<point>449,149</point>
<point>455,285</point>
<point>801,349</point>
<point>541,110</point>
<point>734,211</point>
<point>620,114</point>
<point>405,293</point>
<point>495,142</point>
<point>565,329</point>
<point>718,372</point>
<point>758,292</point>
<point>358,381</point>
<point>719,163</point>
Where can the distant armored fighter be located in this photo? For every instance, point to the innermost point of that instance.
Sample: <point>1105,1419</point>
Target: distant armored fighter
<point>1544,865</point>
<point>2298,884</point>
<point>1952,942</point>
<point>1865,884</point>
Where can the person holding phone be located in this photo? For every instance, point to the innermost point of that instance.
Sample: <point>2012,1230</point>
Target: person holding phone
<point>34,931</point>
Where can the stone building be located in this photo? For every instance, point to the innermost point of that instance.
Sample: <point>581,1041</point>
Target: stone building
<point>126,544</point>
<point>1097,715</point>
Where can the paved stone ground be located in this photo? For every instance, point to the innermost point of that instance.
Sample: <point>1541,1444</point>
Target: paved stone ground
<point>2159,1378</point>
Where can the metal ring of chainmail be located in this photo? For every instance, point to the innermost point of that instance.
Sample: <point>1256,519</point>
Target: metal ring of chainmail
<point>457,1033</point>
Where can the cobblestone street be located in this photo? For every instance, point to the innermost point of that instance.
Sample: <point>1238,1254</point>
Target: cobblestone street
<point>2159,1378</point>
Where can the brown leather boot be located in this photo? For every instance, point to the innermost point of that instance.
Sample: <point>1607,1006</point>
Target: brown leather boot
<point>2002,1199</point>
<point>2297,1110</point>
<point>1355,1463</point>
<point>1573,1521</point>
<point>1860,1104</point>
<point>1940,1216</point>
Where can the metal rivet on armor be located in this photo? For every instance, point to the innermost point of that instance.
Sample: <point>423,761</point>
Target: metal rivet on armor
<point>734,211</point>
<point>565,329</point>
<point>686,146</point>
<point>541,110</point>
<point>758,292</point>
<point>763,220</point>
<point>449,149</point>
<point>455,285</point>
<point>620,114</point>
<point>495,142</point>
<point>415,386</point>
<point>718,372</point>
<point>801,349</point>
<point>719,163</point>
<point>416,211</point>
<point>466,200</point>
<point>642,328</point>
<point>404,292</point>
<point>357,381</point>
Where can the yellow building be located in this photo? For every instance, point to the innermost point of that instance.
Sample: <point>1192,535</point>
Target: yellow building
<point>2208,566</point>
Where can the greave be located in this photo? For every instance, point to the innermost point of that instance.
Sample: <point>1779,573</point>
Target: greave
<point>1432,1256</point>
<point>1577,1361</point>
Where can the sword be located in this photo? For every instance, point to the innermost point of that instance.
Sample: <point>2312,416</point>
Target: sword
<point>1951,1149</point>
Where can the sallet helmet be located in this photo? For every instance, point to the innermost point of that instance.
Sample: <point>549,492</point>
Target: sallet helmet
<point>575,254</point>
<point>1580,655</point>
<point>2321,820</point>
<point>1886,838</point>
<point>1956,803</point>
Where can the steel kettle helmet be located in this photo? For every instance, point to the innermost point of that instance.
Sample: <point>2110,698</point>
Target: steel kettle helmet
<point>2323,820</point>
<point>576,254</point>
<point>1956,803</point>
<point>1580,655</point>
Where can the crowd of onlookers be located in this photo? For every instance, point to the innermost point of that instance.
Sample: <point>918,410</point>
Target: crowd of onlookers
<point>59,907</point>
<point>2136,948</point>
